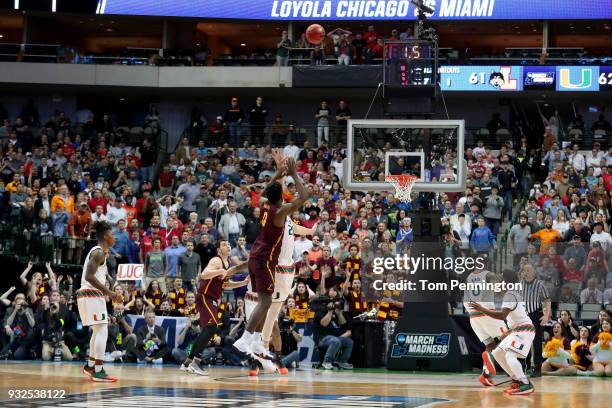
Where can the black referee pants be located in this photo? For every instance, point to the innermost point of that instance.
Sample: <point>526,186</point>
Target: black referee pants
<point>536,348</point>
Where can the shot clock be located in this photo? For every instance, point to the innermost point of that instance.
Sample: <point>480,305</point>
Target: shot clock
<point>410,64</point>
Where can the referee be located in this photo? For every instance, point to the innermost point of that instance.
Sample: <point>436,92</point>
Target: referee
<point>537,303</point>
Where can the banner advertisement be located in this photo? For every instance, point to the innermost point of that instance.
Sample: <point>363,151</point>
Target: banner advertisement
<point>129,272</point>
<point>539,78</point>
<point>371,10</point>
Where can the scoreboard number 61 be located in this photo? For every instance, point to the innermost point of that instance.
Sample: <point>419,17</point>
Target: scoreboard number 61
<point>477,78</point>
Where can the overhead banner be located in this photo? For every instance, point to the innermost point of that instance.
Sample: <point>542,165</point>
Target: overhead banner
<point>371,10</point>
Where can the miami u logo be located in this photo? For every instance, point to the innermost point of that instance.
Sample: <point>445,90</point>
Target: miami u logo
<point>586,78</point>
<point>99,319</point>
<point>515,347</point>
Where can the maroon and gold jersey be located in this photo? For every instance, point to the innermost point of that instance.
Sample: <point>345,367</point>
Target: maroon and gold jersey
<point>213,288</point>
<point>268,243</point>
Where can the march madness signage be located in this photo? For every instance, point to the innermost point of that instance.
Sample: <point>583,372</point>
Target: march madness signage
<point>421,345</point>
<point>362,9</point>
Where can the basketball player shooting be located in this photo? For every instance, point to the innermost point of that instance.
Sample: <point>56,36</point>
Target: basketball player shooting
<point>283,280</point>
<point>92,303</point>
<point>264,256</point>
<point>517,341</point>
<point>486,328</point>
<point>212,281</point>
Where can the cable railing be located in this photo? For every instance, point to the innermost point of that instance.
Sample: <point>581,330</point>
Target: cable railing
<point>278,134</point>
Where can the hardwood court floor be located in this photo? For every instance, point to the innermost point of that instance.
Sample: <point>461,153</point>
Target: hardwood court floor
<point>166,386</point>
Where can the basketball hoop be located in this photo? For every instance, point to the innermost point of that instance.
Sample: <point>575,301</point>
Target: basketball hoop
<point>403,184</point>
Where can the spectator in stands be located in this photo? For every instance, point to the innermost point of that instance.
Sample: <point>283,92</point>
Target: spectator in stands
<point>343,114</point>
<point>173,253</point>
<point>234,115</point>
<point>359,46</point>
<point>322,115</point>
<point>283,48</point>
<point>345,51</point>
<point>568,295</point>
<point>189,266</point>
<point>257,118</point>
<point>370,37</point>
<point>547,236</point>
<point>591,294</point>
<point>482,239</point>
<point>601,124</point>
<point>231,224</point>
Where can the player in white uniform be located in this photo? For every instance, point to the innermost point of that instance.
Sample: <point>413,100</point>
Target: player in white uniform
<point>92,303</point>
<point>517,341</point>
<point>283,281</point>
<point>486,328</point>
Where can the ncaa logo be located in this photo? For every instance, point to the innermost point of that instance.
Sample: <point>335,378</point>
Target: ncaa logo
<point>576,79</point>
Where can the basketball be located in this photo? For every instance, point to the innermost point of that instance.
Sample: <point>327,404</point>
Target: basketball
<point>315,34</point>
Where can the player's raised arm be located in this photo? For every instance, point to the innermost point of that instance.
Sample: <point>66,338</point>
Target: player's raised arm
<point>301,230</point>
<point>289,208</point>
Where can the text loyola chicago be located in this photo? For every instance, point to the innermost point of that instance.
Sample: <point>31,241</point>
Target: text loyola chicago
<point>377,8</point>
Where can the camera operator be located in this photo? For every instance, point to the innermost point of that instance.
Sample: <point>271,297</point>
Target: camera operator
<point>290,339</point>
<point>19,327</point>
<point>120,333</point>
<point>185,341</point>
<point>331,331</point>
<point>53,345</point>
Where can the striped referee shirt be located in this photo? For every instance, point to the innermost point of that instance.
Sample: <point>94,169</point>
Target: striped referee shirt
<point>534,294</point>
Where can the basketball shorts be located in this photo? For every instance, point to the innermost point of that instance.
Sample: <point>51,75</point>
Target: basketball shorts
<point>519,341</point>
<point>283,280</point>
<point>92,307</point>
<point>486,328</point>
<point>262,277</point>
<point>208,309</point>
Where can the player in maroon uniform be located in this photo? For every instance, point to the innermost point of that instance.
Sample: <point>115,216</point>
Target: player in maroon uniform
<point>264,257</point>
<point>212,281</point>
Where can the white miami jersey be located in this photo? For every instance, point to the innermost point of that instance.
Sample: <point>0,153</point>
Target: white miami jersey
<point>285,269</point>
<point>285,257</point>
<point>481,296</point>
<point>100,272</point>
<point>518,316</point>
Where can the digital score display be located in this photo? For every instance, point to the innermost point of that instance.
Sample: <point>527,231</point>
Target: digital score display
<point>410,64</point>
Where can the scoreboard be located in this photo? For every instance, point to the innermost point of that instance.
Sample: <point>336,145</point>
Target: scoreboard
<point>411,64</point>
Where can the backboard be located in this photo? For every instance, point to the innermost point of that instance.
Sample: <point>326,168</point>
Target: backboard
<point>432,150</point>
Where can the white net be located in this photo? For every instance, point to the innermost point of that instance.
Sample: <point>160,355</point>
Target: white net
<point>403,185</point>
